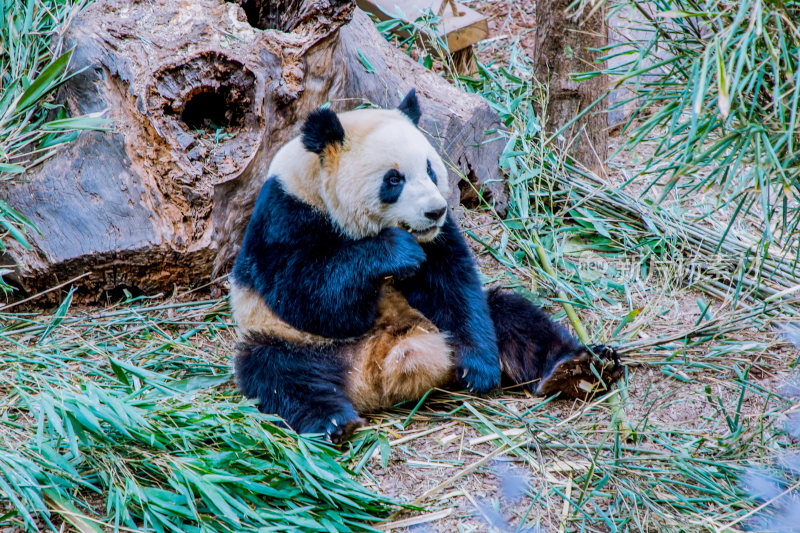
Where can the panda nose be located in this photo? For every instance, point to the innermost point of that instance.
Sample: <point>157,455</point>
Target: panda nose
<point>435,214</point>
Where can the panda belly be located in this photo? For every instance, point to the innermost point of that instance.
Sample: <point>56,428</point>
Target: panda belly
<point>401,357</point>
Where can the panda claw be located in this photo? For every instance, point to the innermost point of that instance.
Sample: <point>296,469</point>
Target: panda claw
<point>479,380</point>
<point>603,351</point>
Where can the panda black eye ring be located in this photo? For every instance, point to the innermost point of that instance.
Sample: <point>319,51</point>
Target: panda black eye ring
<point>431,173</point>
<point>393,178</point>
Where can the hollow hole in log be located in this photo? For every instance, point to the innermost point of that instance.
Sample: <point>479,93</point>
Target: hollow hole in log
<point>468,190</point>
<point>211,109</point>
<point>121,293</point>
<point>271,14</point>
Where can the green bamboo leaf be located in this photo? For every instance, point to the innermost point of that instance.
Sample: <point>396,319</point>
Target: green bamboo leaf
<point>10,168</point>
<point>14,231</point>
<point>723,99</point>
<point>700,86</point>
<point>680,13</point>
<point>196,383</point>
<point>84,122</point>
<point>44,82</point>
<point>13,495</point>
<point>364,61</point>
<point>59,315</point>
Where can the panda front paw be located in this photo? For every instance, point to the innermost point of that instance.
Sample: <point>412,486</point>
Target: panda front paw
<point>478,374</point>
<point>405,255</point>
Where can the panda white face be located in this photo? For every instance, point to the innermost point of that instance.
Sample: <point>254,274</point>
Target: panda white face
<point>402,179</point>
<point>368,170</point>
<point>412,201</point>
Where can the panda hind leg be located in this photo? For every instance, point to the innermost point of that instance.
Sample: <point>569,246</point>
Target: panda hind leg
<point>543,355</point>
<point>304,385</point>
<point>403,356</point>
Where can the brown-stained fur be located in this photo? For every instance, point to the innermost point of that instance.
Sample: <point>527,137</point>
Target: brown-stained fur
<point>252,315</point>
<point>400,358</point>
<point>403,356</point>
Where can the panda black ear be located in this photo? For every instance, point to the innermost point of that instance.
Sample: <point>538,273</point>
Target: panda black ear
<point>410,107</point>
<point>322,128</point>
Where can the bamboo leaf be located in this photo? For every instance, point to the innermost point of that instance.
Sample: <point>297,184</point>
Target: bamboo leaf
<point>46,81</point>
<point>364,61</point>
<point>723,98</point>
<point>84,122</point>
<point>10,168</point>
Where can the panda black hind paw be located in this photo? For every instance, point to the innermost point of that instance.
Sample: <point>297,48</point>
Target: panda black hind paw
<point>339,429</point>
<point>590,371</point>
<point>603,351</point>
<point>336,427</point>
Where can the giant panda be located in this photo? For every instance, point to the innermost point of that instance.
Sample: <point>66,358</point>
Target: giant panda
<point>354,289</point>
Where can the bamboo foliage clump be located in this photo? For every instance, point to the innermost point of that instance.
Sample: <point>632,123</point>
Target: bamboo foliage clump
<point>717,87</point>
<point>34,62</point>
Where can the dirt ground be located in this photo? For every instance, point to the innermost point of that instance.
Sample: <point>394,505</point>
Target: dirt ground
<point>510,22</point>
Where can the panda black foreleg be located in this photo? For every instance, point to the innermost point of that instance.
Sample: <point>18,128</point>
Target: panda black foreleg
<point>543,355</point>
<point>304,385</point>
<point>447,290</point>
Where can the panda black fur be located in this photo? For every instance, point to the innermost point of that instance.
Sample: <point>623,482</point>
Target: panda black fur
<point>354,289</point>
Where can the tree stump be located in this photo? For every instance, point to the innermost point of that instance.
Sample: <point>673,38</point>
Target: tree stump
<point>567,46</point>
<point>202,94</point>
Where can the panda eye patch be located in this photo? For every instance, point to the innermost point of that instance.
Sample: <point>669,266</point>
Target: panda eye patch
<point>392,186</point>
<point>431,173</point>
<point>394,178</point>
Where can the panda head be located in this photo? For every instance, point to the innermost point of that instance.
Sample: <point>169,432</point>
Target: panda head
<point>369,169</point>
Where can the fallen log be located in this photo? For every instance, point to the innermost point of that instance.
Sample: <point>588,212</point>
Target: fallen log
<point>202,94</point>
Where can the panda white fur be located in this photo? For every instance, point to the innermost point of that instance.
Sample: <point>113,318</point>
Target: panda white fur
<point>354,289</point>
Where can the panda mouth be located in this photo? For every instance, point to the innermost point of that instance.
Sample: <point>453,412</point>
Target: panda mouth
<point>424,234</point>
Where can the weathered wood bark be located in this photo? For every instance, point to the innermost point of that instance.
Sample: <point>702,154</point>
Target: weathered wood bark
<point>202,100</point>
<point>563,46</point>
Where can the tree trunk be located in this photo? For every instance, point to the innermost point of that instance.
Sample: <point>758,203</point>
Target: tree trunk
<point>203,94</point>
<point>563,46</point>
